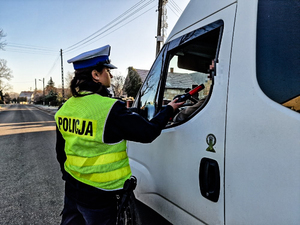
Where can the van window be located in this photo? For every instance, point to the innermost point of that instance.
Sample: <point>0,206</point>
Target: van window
<point>191,65</point>
<point>278,51</point>
<point>182,65</point>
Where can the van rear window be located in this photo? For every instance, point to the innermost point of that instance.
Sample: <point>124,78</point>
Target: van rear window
<point>278,51</point>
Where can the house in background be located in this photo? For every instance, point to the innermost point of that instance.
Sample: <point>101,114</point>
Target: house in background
<point>143,74</point>
<point>28,97</point>
<point>178,83</point>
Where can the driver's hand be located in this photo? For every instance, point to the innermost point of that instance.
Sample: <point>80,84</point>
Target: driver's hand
<point>176,105</point>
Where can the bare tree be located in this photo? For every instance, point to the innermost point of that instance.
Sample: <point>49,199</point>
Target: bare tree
<point>69,78</point>
<point>5,73</point>
<point>117,85</point>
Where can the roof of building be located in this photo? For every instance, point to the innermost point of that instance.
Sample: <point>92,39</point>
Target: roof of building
<point>26,94</point>
<point>143,74</point>
<point>178,80</point>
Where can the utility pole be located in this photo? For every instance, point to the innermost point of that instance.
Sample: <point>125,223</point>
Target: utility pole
<point>62,75</point>
<point>43,91</point>
<point>161,24</point>
<point>164,17</point>
<point>159,37</point>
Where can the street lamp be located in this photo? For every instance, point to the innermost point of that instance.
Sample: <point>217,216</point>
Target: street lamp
<point>43,90</point>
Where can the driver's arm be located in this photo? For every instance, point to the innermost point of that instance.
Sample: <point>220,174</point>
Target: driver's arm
<point>186,112</point>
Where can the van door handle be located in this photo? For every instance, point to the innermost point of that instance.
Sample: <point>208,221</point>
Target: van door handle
<point>209,179</point>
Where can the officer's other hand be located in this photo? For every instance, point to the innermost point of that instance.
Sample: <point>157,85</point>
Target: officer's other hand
<point>176,105</point>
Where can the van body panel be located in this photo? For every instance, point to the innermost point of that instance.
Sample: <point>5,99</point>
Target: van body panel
<point>157,202</point>
<point>257,144</point>
<point>194,12</point>
<point>262,180</point>
<point>180,193</point>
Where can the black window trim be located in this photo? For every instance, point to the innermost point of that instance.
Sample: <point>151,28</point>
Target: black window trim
<point>177,43</point>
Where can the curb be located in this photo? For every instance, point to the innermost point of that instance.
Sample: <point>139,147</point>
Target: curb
<point>49,110</point>
<point>4,107</point>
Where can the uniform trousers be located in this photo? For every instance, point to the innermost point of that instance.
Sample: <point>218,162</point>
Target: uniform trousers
<point>86,205</point>
<point>75,214</point>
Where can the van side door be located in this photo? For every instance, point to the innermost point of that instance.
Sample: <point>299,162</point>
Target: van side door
<point>181,173</point>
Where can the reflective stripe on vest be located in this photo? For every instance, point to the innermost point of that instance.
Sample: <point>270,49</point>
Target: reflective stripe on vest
<point>81,121</point>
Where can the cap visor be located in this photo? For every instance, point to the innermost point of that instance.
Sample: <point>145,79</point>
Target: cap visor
<point>111,66</point>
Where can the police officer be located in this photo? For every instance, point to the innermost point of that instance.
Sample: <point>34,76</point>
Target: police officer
<point>92,130</point>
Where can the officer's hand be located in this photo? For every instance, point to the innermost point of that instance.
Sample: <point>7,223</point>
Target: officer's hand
<point>176,105</point>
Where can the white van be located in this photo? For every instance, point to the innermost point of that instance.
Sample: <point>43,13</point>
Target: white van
<point>236,158</point>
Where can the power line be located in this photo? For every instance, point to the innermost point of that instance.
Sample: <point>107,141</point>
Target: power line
<point>27,52</point>
<point>174,11</point>
<point>83,45</point>
<point>116,22</point>
<point>30,47</point>
<point>21,48</point>
<point>111,26</point>
<point>54,64</point>
<point>136,5</point>
<point>176,7</point>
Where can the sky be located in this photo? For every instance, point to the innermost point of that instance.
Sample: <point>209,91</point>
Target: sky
<point>36,31</point>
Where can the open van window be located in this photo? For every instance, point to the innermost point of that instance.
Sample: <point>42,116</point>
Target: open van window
<point>192,64</point>
<point>182,64</point>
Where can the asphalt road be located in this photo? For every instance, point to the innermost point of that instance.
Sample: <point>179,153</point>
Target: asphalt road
<point>31,191</point>
<point>31,188</point>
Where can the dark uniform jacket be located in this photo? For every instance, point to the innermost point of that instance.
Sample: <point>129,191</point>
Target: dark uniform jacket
<point>121,124</point>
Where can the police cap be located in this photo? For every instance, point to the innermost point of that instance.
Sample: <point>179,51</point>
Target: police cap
<point>99,56</point>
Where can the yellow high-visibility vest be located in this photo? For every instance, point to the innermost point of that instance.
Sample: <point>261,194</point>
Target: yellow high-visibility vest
<point>81,121</point>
